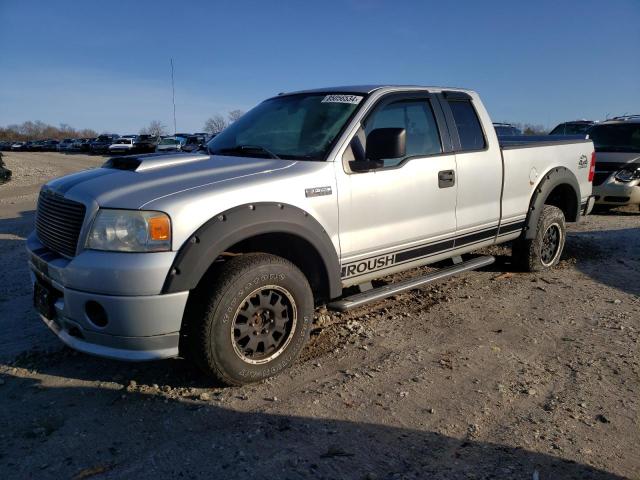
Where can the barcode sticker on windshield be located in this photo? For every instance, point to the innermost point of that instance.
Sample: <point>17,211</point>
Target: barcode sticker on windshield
<point>353,99</point>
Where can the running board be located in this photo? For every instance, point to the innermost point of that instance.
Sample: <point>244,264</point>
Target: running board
<point>380,293</point>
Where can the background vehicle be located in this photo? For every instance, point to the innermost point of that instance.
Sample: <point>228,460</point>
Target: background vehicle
<point>577,127</point>
<point>506,129</point>
<point>194,143</point>
<point>19,146</point>
<point>221,258</point>
<point>171,144</point>
<point>5,146</point>
<point>50,146</point>
<point>66,145</point>
<point>617,178</point>
<point>102,142</point>
<point>122,145</point>
<point>145,144</point>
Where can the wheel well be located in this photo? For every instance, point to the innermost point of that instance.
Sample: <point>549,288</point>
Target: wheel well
<point>295,249</point>
<point>564,197</point>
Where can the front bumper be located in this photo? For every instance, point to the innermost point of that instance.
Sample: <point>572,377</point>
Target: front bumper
<point>613,192</point>
<point>139,326</point>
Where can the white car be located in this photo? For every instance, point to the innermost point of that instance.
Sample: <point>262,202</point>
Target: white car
<point>122,145</point>
<point>617,178</point>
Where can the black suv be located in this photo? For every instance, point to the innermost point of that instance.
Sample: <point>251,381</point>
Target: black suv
<point>101,144</point>
<point>145,144</point>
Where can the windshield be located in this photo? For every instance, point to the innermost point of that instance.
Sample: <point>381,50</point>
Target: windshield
<point>169,141</point>
<point>291,127</point>
<point>616,137</point>
<point>570,129</point>
<point>123,141</point>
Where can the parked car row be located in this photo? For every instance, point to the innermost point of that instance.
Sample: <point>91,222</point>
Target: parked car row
<point>111,143</point>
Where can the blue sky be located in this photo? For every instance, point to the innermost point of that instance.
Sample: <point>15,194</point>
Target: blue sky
<point>105,65</point>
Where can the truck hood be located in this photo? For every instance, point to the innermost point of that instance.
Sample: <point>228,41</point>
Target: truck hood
<point>131,182</point>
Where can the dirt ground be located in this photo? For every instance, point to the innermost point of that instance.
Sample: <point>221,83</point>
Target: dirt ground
<point>494,374</point>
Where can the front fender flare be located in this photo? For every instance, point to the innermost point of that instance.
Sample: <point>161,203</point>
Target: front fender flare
<point>243,222</point>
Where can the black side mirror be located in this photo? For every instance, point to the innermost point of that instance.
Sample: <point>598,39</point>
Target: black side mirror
<point>386,143</point>
<point>381,143</point>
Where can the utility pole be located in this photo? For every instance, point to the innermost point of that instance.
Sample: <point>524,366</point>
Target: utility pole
<point>173,94</point>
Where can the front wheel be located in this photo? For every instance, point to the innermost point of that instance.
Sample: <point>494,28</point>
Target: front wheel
<point>543,251</point>
<point>253,320</point>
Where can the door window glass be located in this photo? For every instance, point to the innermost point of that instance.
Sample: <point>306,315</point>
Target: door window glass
<point>416,117</point>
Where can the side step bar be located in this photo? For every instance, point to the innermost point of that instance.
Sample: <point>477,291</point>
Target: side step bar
<point>380,293</point>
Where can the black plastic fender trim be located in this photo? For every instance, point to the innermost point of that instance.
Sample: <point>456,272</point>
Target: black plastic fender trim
<point>553,178</point>
<point>241,223</point>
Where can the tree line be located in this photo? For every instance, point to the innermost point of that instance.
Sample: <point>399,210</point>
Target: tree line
<point>43,131</point>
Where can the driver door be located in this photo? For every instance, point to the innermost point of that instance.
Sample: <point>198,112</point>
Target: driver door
<point>405,210</point>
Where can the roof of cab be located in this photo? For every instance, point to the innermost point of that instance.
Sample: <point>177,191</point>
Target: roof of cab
<point>367,89</point>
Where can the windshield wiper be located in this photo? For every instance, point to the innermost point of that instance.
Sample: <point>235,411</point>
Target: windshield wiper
<point>242,148</point>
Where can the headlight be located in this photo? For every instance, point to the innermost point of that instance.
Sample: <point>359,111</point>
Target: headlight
<point>130,231</point>
<point>628,174</point>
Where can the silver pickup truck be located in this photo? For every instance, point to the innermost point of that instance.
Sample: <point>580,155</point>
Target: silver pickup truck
<point>222,256</point>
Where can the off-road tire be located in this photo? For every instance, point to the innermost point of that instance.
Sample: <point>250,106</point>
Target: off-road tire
<point>211,327</point>
<point>537,254</point>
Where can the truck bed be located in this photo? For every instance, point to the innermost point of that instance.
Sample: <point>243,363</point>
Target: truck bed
<point>524,141</point>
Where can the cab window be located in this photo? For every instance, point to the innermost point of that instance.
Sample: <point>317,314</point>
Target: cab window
<point>417,118</point>
<point>468,125</point>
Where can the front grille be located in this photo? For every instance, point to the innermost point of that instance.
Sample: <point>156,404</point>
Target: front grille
<point>616,199</point>
<point>58,222</point>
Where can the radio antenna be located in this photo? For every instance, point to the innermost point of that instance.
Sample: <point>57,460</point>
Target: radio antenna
<point>173,95</point>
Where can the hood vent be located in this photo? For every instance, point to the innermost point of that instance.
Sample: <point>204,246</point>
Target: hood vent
<point>123,163</point>
<point>152,161</point>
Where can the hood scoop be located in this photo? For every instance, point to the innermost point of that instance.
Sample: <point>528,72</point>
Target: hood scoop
<point>152,161</point>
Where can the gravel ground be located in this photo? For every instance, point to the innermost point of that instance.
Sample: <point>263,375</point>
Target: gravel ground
<point>493,374</point>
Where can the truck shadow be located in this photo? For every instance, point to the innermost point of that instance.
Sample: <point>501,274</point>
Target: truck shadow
<point>610,257</point>
<point>74,431</point>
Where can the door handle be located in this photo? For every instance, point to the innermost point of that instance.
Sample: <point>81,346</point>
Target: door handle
<point>446,178</point>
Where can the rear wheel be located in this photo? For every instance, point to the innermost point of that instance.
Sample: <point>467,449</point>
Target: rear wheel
<point>253,320</point>
<point>543,251</point>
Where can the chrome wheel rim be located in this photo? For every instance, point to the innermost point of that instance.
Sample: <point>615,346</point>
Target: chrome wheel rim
<point>551,241</point>
<point>264,324</point>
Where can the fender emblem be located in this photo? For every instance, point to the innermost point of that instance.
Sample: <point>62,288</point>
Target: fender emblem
<point>583,162</point>
<point>317,191</point>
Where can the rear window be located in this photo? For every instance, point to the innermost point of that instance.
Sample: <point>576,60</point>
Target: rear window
<point>619,137</point>
<point>468,125</point>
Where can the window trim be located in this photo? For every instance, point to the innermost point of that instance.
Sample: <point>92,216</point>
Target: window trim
<point>391,97</point>
<point>444,98</point>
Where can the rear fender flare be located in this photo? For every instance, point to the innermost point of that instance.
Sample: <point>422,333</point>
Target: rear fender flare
<point>553,178</point>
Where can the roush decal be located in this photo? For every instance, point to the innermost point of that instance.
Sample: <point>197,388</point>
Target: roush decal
<point>368,265</point>
<point>317,191</point>
<point>381,262</point>
<point>353,99</point>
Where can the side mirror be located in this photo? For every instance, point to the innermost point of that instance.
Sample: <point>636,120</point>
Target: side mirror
<point>386,143</point>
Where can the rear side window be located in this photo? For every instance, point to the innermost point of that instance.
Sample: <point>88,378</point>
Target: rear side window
<point>468,125</point>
